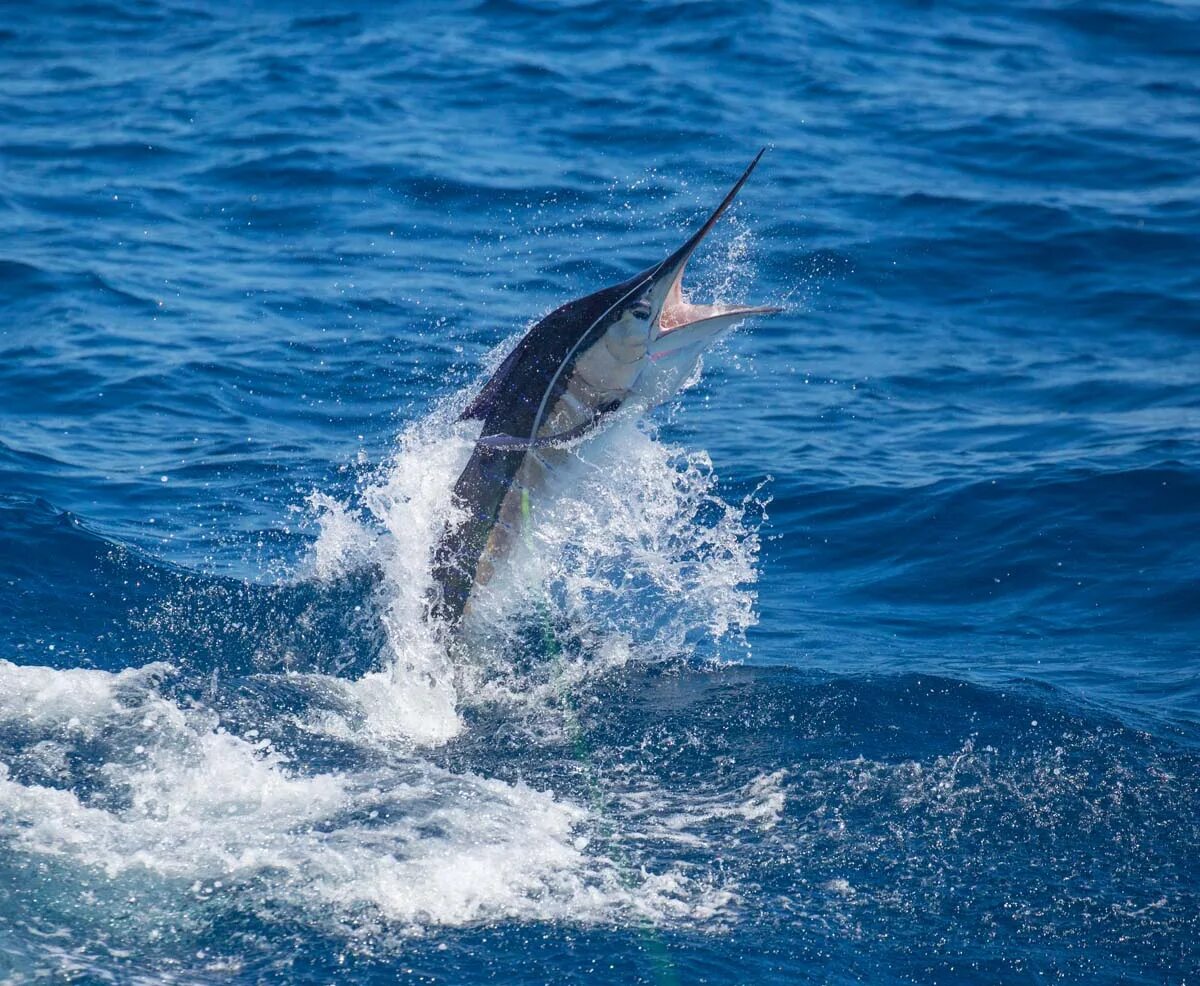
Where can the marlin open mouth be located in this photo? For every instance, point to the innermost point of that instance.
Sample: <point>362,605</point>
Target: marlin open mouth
<point>678,312</point>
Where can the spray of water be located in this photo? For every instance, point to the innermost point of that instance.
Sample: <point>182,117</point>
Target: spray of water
<point>629,554</point>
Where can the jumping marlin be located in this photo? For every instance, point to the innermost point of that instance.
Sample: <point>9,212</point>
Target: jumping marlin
<point>631,345</point>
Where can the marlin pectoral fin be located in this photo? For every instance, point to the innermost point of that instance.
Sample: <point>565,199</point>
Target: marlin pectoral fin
<point>513,443</point>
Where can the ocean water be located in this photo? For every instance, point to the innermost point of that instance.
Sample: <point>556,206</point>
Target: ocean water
<point>871,658</point>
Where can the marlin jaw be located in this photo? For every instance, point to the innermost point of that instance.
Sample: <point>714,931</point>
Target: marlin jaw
<point>681,330</point>
<point>679,313</point>
<point>676,312</point>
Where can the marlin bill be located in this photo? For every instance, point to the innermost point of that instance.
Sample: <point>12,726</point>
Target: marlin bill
<point>625,348</point>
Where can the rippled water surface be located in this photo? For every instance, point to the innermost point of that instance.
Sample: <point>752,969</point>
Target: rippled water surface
<point>872,658</point>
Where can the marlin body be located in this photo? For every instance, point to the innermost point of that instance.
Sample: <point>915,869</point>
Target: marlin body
<point>629,346</point>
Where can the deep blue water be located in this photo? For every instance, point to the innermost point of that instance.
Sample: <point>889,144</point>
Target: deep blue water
<point>873,658</point>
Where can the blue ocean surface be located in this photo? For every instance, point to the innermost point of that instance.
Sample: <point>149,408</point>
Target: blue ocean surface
<point>871,658</point>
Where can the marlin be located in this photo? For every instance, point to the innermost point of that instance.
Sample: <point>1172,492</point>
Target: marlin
<point>630,346</point>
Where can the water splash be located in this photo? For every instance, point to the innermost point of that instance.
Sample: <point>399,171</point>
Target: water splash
<point>629,554</point>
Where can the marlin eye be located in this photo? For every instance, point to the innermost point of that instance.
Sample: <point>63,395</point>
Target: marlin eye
<point>640,309</point>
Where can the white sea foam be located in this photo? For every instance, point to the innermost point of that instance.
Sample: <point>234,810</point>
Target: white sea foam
<point>187,812</point>
<point>688,819</point>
